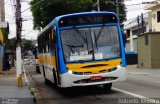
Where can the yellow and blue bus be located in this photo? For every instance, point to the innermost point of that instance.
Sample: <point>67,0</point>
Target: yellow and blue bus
<point>82,49</point>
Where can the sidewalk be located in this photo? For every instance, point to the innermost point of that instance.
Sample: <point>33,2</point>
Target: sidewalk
<point>133,69</point>
<point>10,93</point>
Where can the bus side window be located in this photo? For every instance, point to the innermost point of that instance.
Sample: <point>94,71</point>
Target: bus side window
<point>52,40</point>
<point>43,43</point>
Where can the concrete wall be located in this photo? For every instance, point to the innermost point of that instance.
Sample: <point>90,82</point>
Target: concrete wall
<point>2,12</point>
<point>144,52</point>
<point>155,50</point>
<point>149,55</point>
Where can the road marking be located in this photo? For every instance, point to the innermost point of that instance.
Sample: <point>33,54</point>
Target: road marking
<point>137,96</point>
<point>129,93</point>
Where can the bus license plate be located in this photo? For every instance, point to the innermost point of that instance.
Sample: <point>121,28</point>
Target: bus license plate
<point>96,78</point>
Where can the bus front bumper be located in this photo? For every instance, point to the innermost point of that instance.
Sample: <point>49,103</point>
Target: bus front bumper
<point>70,80</point>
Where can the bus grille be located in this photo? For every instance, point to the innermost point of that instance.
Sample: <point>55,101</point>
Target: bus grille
<point>92,81</point>
<point>101,71</point>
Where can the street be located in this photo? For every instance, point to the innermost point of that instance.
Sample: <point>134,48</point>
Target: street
<point>136,86</point>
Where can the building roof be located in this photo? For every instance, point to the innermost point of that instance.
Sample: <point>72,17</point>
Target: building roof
<point>153,6</point>
<point>150,33</point>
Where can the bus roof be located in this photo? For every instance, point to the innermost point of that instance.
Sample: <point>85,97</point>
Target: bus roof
<point>73,14</point>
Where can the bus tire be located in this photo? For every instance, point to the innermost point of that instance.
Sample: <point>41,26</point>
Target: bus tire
<point>46,81</point>
<point>107,86</point>
<point>44,75</point>
<point>38,69</point>
<point>55,78</point>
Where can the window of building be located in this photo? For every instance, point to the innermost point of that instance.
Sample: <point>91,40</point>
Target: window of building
<point>138,31</point>
<point>158,16</point>
<point>146,40</point>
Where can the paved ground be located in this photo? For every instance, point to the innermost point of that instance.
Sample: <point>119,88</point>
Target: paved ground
<point>144,82</point>
<point>10,93</point>
<point>141,85</point>
<point>132,69</point>
<point>49,94</point>
<point>89,95</point>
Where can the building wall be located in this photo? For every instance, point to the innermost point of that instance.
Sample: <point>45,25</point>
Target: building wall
<point>135,45</point>
<point>134,27</point>
<point>128,46</point>
<point>155,24</point>
<point>2,13</point>
<point>155,51</point>
<point>144,52</point>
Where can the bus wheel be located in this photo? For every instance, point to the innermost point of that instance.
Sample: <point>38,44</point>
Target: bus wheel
<point>38,69</point>
<point>107,86</point>
<point>46,81</point>
<point>55,78</point>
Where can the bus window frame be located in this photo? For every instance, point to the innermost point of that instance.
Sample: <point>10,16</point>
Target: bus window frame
<point>92,25</point>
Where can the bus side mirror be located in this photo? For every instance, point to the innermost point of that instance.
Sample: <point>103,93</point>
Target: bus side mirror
<point>124,37</point>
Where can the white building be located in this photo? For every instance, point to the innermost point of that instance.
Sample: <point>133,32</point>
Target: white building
<point>133,30</point>
<point>155,11</point>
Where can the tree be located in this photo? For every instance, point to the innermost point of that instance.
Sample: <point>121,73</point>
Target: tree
<point>44,11</point>
<point>26,44</point>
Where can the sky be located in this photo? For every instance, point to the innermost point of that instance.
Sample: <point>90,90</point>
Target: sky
<point>27,25</point>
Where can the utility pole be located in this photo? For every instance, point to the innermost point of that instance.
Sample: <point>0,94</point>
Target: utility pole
<point>98,5</point>
<point>18,42</point>
<point>138,24</point>
<point>142,21</point>
<point>117,7</point>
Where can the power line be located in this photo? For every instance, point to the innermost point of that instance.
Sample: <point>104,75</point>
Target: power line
<point>134,4</point>
<point>32,6</point>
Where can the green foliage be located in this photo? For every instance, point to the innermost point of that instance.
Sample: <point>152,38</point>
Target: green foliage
<point>26,44</point>
<point>44,11</point>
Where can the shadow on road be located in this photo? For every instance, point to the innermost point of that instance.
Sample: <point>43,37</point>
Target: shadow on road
<point>73,92</point>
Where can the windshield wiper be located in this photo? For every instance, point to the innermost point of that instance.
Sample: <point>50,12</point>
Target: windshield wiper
<point>100,31</point>
<point>87,42</point>
<point>72,46</point>
<point>80,34</point>
<point>92,51</point>
<point>95,40</point>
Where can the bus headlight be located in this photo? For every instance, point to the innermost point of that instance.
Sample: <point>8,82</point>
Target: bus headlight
<point>119,66</point>
<point>69,71</point>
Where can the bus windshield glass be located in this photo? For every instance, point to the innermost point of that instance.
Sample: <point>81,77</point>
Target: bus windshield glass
<point>90,44</point>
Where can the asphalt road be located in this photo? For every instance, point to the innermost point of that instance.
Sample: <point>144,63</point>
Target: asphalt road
<point>137,89</point>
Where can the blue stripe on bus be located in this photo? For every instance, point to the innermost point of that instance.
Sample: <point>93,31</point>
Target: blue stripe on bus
<point>122,47</point>
<point>60,53</point>
<point>83,26</point>
<point>84,13</point>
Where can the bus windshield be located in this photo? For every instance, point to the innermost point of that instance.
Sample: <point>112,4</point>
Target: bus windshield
<point>90,44</point>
